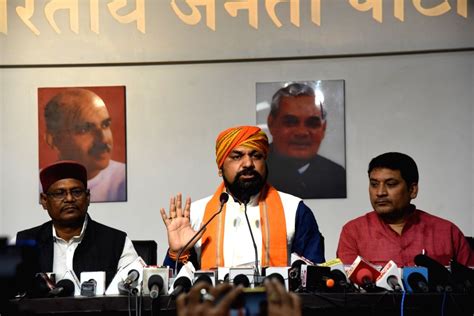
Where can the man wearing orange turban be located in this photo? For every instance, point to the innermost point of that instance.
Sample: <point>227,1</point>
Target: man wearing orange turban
<point>281,224</point>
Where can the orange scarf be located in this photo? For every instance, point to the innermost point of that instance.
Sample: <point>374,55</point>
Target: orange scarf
<point>272,217</point>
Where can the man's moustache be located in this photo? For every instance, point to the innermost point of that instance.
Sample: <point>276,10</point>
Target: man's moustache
<point>301,142</point>
<point>70,207</point>
<point>100,148</point>
<point>247,173</point>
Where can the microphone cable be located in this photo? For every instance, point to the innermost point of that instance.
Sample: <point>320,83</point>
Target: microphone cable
<point>257,272</point>
<point>402,303</point>
<point>443,303</point>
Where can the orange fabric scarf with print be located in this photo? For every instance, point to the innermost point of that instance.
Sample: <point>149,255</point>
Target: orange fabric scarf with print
<point>273,223</point>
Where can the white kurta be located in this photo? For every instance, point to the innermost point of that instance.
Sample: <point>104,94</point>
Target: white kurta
<point>238,247</point>
<point>109,184</point>
<point>64,253</point>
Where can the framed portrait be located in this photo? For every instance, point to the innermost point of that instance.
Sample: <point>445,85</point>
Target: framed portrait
<point>305,123</point>
<point>87,125</point>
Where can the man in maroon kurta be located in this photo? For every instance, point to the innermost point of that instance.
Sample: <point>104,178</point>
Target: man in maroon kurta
<point>396,230</point>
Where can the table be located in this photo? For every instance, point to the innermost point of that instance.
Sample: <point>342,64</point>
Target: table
<point>319,303</point>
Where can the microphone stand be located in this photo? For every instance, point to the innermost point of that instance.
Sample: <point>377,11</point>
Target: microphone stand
<point>257,281</point>
<point>224,197</point>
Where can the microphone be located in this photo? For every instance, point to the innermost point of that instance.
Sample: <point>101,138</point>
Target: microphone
<point>89,288</point>
<point>116,287</point>
<point>363,274</point>
<point>279,273</point>
<point>276,276</point>
<point>42,285</point>
<point>181,284</point>
<point>242,275</point>
<point>462,276</point>
<point>294,272</point>
<point>440,278</point>
<point>294,275</point>
<point>204,278</point>
<point>223,198</point>
<point>63,288</point>
<point>316,278</point>
<point>207,276</point>
<point>340,280</point>
<point>155,281</point>
<point>242,279</point>
<point>415,279</point>
<point>337,274</point>
<point>127,285</point>
<point>133,275</point>
<point>389,277</point>
<point>155,284</point>
<point>92,283</point>
<point>182,281</point>
<point>393,282</point>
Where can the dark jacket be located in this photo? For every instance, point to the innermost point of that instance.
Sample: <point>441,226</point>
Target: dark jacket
<point>323,178</point>
<point>99,250</point>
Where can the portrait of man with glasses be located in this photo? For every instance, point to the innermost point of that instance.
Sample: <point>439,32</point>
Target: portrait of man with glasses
<point>306,123</point>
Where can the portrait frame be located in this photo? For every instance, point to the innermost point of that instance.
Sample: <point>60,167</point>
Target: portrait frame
<point>332,147</point>
<point>114,98</point>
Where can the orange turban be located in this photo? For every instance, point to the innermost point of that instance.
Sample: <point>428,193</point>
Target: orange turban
<point>248,136</point>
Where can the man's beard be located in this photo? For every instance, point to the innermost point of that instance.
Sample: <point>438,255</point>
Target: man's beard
<point>243,190</point>
<point>397,215</point>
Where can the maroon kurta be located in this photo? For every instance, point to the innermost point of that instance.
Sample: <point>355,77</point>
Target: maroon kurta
<point>369,237</point>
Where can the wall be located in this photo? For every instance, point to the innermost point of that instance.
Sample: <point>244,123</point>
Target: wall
<point>418,104</point>
<point>405,91</point>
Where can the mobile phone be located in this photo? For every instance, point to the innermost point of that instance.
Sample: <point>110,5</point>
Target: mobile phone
<point>252,302</point>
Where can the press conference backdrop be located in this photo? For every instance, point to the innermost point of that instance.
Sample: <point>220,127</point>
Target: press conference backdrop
<point>408,87</point>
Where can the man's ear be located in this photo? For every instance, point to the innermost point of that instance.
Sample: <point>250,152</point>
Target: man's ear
<point>49,139</point>
<point>413,190</point>
<point>323,125</point>
<point>44,201</point>
<point>220,172</point>
<point>270,121</point>
<point>88,197</point>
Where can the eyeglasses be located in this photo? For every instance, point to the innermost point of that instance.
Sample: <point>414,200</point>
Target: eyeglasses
<point>62,194</point>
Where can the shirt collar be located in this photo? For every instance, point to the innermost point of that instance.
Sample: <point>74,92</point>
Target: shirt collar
<point>303,169</point>
<point>412,218</point>
<point>254,199</point>
<point>75,238</point>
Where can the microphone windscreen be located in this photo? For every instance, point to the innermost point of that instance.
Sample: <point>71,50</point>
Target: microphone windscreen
<point>277,277</point>
<point>42,285</point>
<point>297,264</point>
<point>184,282</point>
<point>155,279</point>
<point>67,287</point>
<point>224,197</point>
<point>205,278</point>
<point>463,276</point>
<point>436,270</point>
<point>392,281</point>
<point>461,272</point>
<point>338,276</point>
<point>133,275</point>
<point>418,283</point>
<point>439,277</point>
<point>241,279</point>
<point>364,276</point>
